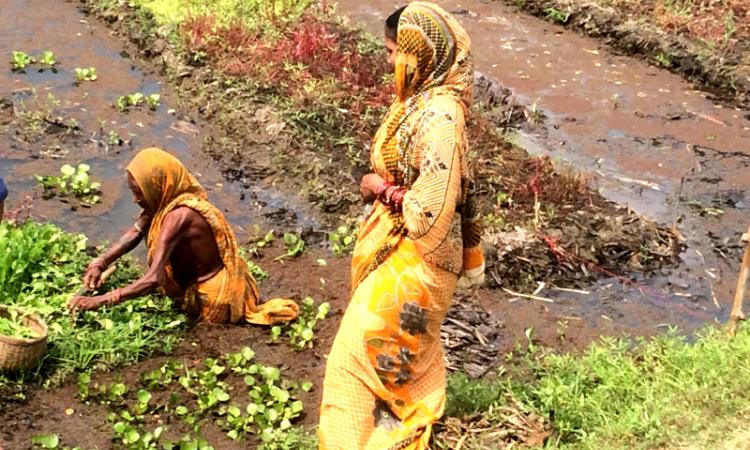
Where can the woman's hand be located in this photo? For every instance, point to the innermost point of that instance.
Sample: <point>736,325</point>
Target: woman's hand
<point>87,303</point>
<point>369,186</point>
<point>92,278</point>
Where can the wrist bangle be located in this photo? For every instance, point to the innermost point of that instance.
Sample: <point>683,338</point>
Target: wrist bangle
<point>397,199</point>
<point>114,297</point>
<point>382,189</point>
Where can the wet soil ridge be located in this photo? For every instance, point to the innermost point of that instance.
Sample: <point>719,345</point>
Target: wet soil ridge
<point>710,47</point>
<point>267,129</point>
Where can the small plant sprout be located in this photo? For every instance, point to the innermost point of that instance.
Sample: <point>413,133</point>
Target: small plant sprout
<point>46,441</point>
<point>47,58</point>
<point>19,60</point>
<point>125,102</point>
<point>343,239</point>
<point>295,246</point>
<point>153,101</point>
<point>114,139</point>
<point>74,181</point>
<point>85,74</point>
<point>302,331</point>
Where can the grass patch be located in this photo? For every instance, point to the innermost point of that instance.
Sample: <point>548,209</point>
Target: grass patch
<point>40,269</point>
<point>659,392</point>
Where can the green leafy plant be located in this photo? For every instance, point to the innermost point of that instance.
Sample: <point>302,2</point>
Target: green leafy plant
<point>13,326</point>
<point>125,102</point>
<point>85,74</point>
<point>301,332</point>
<point>556,15</point>
<point>343,239</point>
<point>295,246</point>
<point>255,270</point>
<point>40,270</point>
<point>20,60</point>
<point>47,58</point>
<point>46,440</point>
<point>74,181</point>
<point>114,139</point>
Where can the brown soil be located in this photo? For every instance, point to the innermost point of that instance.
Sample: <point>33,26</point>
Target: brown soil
<point>569,321</point>
<point>44,411</point>
<point>724,72</point>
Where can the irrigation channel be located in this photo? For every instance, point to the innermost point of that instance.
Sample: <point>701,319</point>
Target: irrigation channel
<point>643,137</point>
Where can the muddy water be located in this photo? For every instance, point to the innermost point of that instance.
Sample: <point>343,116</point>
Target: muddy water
<point>37,25</point>
<point>645,137</point>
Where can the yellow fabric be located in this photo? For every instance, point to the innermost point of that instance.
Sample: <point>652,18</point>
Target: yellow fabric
<point>230,295</point>
<point>385,376</point>
<point>422,146</point>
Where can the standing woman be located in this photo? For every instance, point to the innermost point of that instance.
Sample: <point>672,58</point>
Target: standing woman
<point>385,377</point>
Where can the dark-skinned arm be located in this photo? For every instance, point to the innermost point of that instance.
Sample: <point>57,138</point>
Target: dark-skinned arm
<point>127,242</point>
<point>176,225</point>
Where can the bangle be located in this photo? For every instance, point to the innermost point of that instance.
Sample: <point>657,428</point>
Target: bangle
<point>388,194</point>
<point>382,189</point>
<point>115,297</point>
<point>397,199</point>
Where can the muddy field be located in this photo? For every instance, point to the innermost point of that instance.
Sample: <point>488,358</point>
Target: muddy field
<point>597,267</point>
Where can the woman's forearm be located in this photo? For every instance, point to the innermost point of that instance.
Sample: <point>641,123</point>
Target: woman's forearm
<point>144,285</point>
<point>127,243</point>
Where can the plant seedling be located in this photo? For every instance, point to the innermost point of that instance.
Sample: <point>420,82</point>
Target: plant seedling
<point>343,239</point>
<point>125,102</point>
<point>47,58</point>
<point>74,181</point>
<point>46,440</point>
<point>85,74</point>
<point>153,101</point>
<point>295,246</point>
<point>19,60</point>
<point>302,331</point>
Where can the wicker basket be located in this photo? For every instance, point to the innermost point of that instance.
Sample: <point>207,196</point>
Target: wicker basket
<point>20,354</point>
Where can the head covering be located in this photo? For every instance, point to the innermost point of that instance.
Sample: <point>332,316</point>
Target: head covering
<point>162,178</point>
<point>433,58</point>
<point>433,52</point>
<point>434,80</point>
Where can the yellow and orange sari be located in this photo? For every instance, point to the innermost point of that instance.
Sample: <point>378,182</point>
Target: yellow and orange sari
<point>385,377</point>
<point>231,295</point>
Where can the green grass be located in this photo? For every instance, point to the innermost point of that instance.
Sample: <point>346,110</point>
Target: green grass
<point>41,268</point>
<point>662,392</point>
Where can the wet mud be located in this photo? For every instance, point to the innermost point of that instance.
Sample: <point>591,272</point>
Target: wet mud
<point>725,73</point>
<point>567,312</point>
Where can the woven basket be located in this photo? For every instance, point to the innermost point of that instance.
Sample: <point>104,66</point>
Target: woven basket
<point>21,354</point>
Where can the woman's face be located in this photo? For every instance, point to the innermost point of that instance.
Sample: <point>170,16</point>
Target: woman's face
<point>391,45</point>
<point>138,196</point>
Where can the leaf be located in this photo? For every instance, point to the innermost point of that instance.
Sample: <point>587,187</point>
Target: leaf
<point>132,436</point>
<point>307,334</point>
<point>306,386</point>
<point>67,170</point>
<point>144,396</point>
<point>46,440</point>
<point>281,395</point>
<point>220,394</point>
<point>247,353</point>
<point>297,406</point>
